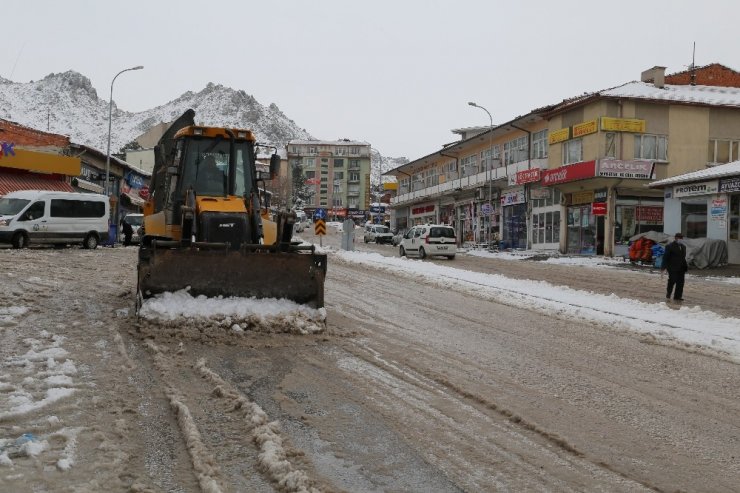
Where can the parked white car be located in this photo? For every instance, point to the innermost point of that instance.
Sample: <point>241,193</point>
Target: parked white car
<point>429,239</point>
<point>377,233</point>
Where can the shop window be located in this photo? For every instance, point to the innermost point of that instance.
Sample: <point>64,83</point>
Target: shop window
<point>735,217</point>
<point>694,219</point>
<point>546,227</point>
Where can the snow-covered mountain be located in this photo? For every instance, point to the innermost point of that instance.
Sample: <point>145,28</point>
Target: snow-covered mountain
<point>67,104</point>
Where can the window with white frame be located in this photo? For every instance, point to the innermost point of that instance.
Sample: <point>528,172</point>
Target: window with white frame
<point>723,151</point>
<point>651,147</point>
<point>539,144</point>
<point>354,150</point>
<point>354,164</point>
<point>417,181</point>
<point>469,165</point>
<point>310,162</point>
<point>403,185</point>
<point>340,151</point>
<point>515,150</point>
<point>312,150</point>
<point>353,202</point>
<point>354,176</point>
<point>430,177</point>
<point>572,151</point>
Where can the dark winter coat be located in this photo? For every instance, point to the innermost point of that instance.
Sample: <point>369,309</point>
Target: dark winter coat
<point>674,258</point>
<point>128,230</point>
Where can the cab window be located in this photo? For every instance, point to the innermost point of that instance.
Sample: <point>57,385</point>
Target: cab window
<point>34,212</point>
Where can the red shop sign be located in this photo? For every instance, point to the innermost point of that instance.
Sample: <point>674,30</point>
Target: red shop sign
<point>598,209</point>
<point>570,172</point>
<point>527,176</point>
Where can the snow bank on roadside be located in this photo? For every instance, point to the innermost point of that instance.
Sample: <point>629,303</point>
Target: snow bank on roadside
<point>690,325</point>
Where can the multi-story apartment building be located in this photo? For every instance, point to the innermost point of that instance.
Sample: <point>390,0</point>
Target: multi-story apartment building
<point>573,176</point>
<point>338,172</point>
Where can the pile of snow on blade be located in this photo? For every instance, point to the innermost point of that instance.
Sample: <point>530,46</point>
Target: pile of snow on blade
<point>270,315</point>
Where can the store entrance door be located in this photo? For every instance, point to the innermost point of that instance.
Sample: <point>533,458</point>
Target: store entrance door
<point>581,230</point>
<point>600,235</point>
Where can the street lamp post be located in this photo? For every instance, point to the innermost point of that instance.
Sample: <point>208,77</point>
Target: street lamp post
<point>110,121</point>
<point>379,186</point>
<point>489,168</point>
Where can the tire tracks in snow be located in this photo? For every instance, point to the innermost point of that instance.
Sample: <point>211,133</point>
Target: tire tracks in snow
<point>266,435</point>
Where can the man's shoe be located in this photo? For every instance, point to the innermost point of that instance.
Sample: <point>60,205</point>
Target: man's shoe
<point>677,299</point>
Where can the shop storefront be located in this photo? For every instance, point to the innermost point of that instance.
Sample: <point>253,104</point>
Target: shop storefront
<point>514,218</point>
<point>423,214</point>
<point>466,221</point>
<point>709,208</point>
<point>585,224</point>
<point>545,232</point>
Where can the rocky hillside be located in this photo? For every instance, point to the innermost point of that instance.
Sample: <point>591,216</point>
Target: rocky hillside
<point>67,104</point>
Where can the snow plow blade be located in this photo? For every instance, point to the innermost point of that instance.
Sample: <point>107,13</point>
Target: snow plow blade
<point>297,276</point>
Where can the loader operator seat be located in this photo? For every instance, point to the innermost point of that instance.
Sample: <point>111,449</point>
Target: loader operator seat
<point>210,180</point>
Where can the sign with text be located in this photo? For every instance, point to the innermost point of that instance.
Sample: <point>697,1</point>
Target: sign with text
<point>585,128</point>
<point>598,208</point>
<point>617,168</point>
<point>585,197</point>
<point>571,172</point>
<point>559,135</point>
<point>704,188</point>
<point>540,193</point>
<point>649,214</point>
<point>512,197</point>
<point>423,209</point>
<point>729,184</point>
<point>527,176</point>
<point>609,124</point>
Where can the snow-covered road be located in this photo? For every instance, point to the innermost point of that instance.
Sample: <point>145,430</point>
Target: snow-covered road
<point>418,376</point>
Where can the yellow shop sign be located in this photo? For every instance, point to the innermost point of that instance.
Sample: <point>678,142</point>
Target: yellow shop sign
<point>585,128</point>
<point>609,124</point>
<point>559,135</point>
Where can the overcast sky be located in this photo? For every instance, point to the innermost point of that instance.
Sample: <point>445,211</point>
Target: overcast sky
<point>395,73</point>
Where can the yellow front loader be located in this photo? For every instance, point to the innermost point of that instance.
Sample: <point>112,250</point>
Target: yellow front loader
<point>206,226</point>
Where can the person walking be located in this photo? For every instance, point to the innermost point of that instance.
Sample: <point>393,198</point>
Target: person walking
<point>674,261</point>
<point>128,232</point>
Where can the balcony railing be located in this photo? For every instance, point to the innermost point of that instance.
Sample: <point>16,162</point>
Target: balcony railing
<point>467,182</point>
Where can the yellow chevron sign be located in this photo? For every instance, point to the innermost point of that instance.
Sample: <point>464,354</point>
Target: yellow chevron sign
<point>319,227</point>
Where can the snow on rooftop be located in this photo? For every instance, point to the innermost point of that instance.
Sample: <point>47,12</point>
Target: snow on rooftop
<point>720,171</point>
<point>709,95</point>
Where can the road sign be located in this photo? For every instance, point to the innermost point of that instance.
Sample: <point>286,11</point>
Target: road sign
<point>319,227</point>
<point>319,214</point>
<point>486,209</point>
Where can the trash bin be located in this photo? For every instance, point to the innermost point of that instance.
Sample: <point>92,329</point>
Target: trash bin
<point>112,235</point>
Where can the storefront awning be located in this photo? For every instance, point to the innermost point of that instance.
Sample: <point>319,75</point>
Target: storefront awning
<point>137,201</point>
<point>15,182</point>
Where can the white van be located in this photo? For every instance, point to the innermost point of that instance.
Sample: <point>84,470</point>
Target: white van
<point>38,216</point>
<point>429,239</point>
<point>301,221</point>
